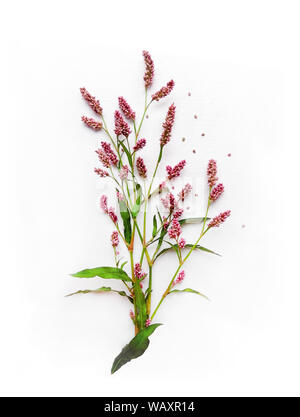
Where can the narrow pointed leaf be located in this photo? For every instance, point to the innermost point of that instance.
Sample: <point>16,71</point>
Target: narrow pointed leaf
<point>106,272</point>
<point>100,290</point>
<point>137,206</point>
<point>154,230</point>
<point>128,154</point>
<point>190,290</point>
<point>140,303</point>
<point>126,220</point>
<point>161,237</point>
<point>189,245</point>
<point>135,348</point>
<point>193,220</point>
<point>123,264</point>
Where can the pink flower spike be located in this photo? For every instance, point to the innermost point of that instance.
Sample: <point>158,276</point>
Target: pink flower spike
<point>185,192</point>
<point>175,229</point>
<point>165,202</point>
<point>112,214</point>
<point>167,126</point>
<point>172,202</point>
<point>93,124</point>
<point>110,153</point>
<point>175,172</point>
<point>114,239</point>
<point>178,213</point>
<point>149,74</point>
<point>131,314</point>
<point>181,243</point>
<point>120,196</point>
<point>121,127</point>
<point>103,203</point>
<point>103,158</point>
<point>216,221</point>
<point>212,173</point>
<point>162,186</point>
<point>92,102</point>
<point>147,323</point>
<point>139,145</point>
<point>164,91</point>
<point>217,191</point>
<point>123,174</point>
<point>126,109</point>
<point>179,279</point>
<point>138,273</point>
<point>101,172</point>
<point>141,167</point>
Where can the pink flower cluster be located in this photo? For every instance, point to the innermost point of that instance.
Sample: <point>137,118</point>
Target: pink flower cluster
<point>178,213</point>
<point>216,192</point>
<point>120,196</point>
<point>212,173</point>
<point>110,153</point>
<point>103,158</point>
<point>123,174</point>
<point>162,186</point>
<point>126,109</point>
<point>169,202</point>
<point>164,91</point>
<point>149,74</point>
<point>147,323</point>
<point>175,230</point>
<point>182,243</point>
<point>179,279</point>
<point>175,172</point>
<point>138,273</point>
<point>185,192</point>
<point>121,127</point>
<point>141,167</point>
<point>216,221</point>
<point>101,172</point>
<point>110,211</point>
<point>92,102</point>
<point>114,239</point>
<point>168,125</point>
<point>92,123</point>
<point>139,145</point>
<point>107,155</point>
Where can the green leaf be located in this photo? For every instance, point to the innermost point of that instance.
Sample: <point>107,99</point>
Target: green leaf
<point>140,303</point>
<point>137,206</point>
<point>135,348</point>
<point>126,220</point>
<point>154,231</point>
<point>128,154</point>
<point>193,220</point>
<point>100,290</point>
<point>123,264</point>
<point>106,272</point>
<point>189,245</point>
<point>190,290</point>
<point>161,237</point>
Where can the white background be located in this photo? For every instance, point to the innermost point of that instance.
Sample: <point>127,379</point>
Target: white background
<point>239,61</point>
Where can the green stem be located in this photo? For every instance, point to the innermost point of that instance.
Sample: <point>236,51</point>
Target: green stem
<point>148,304</point>
<point>133,280</point>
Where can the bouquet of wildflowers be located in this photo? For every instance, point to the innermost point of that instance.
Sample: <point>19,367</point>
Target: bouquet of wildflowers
<point>122,164</point>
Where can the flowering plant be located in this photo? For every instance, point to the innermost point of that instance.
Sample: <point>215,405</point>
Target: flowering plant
<point>122,163</point>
